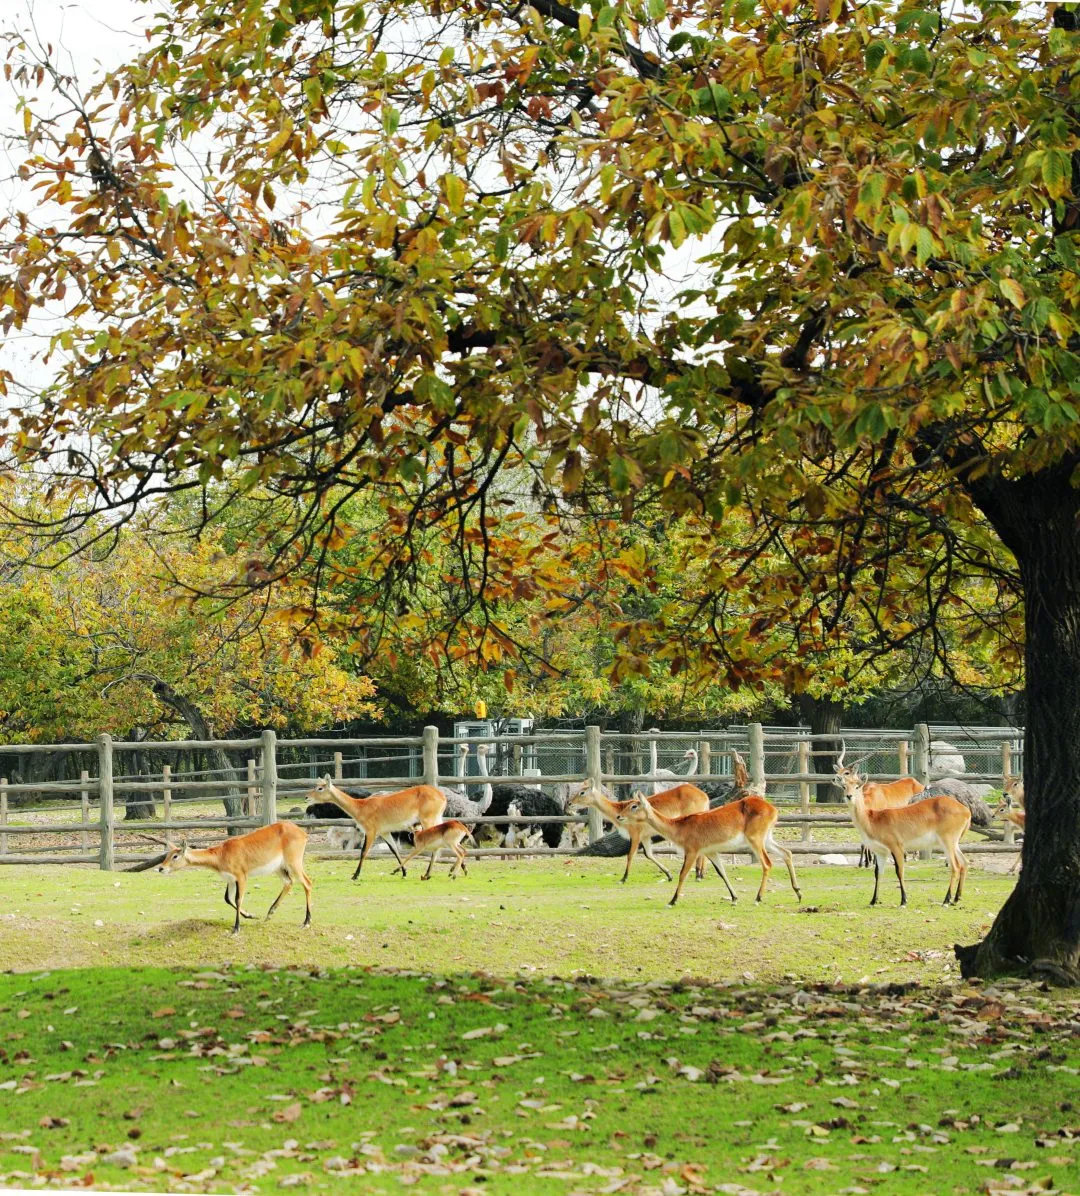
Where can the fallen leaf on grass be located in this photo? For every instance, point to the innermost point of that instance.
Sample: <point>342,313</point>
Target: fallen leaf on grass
<point>289,1113</point>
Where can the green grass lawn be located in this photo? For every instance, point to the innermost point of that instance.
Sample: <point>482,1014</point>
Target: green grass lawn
<point>510,918</point>
<point>824,1048</point>
<point>262,1078</point>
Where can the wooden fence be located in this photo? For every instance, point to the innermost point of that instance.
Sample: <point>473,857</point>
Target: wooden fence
<point>271,778</point>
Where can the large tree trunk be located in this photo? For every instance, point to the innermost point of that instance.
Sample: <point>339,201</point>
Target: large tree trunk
<point>628,757</point>
<point>219,761</point>
<point>138,803</point>
<point>826,717</point>
<point>1039,926</point>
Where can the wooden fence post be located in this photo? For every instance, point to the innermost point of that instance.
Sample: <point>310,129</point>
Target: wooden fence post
<point>922,767</point>
<point>902,757</point>
<point>251,802</point>
<point>166,796</point>
<point>705,757</point>
<point>804,786</point>
<point>3,815</point>
<point>105,796</point>
<point>593,770</point>
<point>84,808</point>
<point>757,757</point>
<point>339,767</point>
<point>430,751</point>
<point>268,752</point>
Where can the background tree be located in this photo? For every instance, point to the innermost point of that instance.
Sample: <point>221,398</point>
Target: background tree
<point>881,333</point>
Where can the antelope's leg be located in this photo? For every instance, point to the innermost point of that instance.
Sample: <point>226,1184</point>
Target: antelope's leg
<point>718,863</point>
<point>898,864</point>
<point>646,847</point>
<point>688,862</point>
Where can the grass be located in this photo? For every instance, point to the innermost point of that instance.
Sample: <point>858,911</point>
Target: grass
<point>825,1047</point>
<point>519,917</point>
<point>255,1079</point>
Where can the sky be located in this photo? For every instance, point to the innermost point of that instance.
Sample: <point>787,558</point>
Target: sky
<point>91,37</point>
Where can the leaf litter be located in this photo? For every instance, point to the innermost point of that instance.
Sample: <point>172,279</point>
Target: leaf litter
<point>626,1103</point>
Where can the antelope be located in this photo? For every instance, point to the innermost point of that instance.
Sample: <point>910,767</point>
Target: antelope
<point>434,839</point>
<point>878,796</point>
<point>932,822</point>
<point>745,823</point>
<point>1011,808</point>
<point>381,814</point>
<point>672,803</point>
<point>275,848</point>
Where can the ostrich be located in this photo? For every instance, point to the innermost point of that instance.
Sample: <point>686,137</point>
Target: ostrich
<point>531,802</point>
<point>669,778</point>
<point>458,804</point>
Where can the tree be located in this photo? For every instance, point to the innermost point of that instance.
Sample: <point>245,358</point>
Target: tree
<point>881,342</point>
<point>133,655</point>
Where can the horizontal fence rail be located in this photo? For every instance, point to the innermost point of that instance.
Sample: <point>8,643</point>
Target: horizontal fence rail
<point>87,818</point>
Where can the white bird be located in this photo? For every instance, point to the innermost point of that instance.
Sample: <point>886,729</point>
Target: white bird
<point>670,778</point>
<point>458,803</point>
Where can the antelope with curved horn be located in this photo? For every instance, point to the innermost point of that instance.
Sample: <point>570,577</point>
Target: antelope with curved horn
<point>877,795</point>
<point>672,803</point>
<point>932,822</point>
<point>275,848</point>
<point>380,815</point>
<point>740,825</point>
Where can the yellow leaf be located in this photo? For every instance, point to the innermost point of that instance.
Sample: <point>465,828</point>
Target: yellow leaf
<point>1014,292</point>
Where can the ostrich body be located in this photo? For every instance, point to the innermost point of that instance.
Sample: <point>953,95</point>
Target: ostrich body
<point>531,802</point>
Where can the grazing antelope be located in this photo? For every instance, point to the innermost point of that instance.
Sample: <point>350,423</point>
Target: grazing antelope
<point>878,796</point>
<point>434,839</point>
<point>745,823</point>
<point>932,822</point>
<point>275,848</point>
<point>671,803</point>
<point>381,814</point>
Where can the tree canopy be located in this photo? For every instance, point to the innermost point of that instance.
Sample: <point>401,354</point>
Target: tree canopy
<point>514,273</point>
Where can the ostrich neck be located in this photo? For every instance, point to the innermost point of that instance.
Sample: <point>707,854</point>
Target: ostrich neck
<point>486,793</point>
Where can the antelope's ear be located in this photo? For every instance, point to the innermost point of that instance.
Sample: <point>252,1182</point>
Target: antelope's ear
<point>326,780</point>
<point>184,846</point>
<point>637,795</point>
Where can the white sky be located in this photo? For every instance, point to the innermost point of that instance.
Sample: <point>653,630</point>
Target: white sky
<point>91,37</point>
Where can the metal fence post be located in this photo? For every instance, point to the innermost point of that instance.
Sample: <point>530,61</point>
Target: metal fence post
<point>593,771</point>
<point>757,757</point>
<point>105,796</point>
<point>269,777</point>
<point>922,766</point>
<point>430,752</point>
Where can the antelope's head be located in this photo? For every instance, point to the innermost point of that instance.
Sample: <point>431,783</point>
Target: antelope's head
<point>322,791</point>
<point>175,859</point>
<point>583,796</point>
<point>637,811</point>
<point>1013,789</point>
